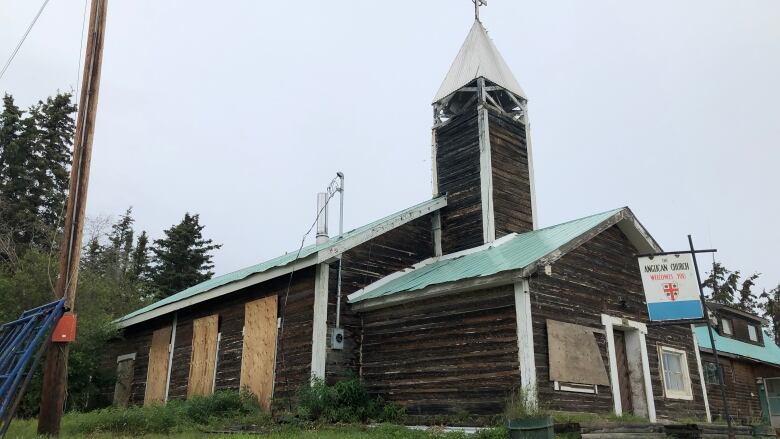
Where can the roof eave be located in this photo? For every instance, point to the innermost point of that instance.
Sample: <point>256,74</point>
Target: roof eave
<point>220,291</point>
<point>739,357</point>
<point>443,289</point>
<point>325,255</point>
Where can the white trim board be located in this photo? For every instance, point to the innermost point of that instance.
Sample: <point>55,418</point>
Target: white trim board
<point>701,374</point>
<point>525,340</point>
<point>125,357</point>
<point>319,337</point>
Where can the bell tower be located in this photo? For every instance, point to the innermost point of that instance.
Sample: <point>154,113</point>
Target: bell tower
<point>481,148</point>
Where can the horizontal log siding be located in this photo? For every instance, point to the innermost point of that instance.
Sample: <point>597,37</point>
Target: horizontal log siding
<point>293,361</point>
<point>457,161</point>
<point>511,178</point>
<point>602,276</point>
<point>392,251</point>
<point>742,391</point>
<point>446,355</point>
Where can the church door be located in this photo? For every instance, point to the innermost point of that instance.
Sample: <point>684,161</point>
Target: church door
<point>624,380</point>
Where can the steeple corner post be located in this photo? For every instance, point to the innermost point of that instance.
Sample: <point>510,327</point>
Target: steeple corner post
<point>485,166</point>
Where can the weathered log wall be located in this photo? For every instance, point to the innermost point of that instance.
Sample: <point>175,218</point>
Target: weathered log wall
<point>293,360</point>
<point>392,251</point>
<point>511,177</point>
<point>447,355</point>
<point>457,160</point>
<point>602,276</point>
<point>742,391</point>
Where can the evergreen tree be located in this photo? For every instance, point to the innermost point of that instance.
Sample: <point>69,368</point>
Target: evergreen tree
<point>182,259</point>
<point>728,288</point>
<point>140,268</point>
<point>120,245</point>
<point>34,168</point>
<point>770,308</point>
<point>10,128</point>
<point>55,126</point>
<point>18,191</point>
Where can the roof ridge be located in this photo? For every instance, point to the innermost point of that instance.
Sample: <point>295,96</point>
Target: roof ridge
<point>577,219</point>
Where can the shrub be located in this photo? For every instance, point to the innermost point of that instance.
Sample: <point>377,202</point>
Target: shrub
<point>345,401</point>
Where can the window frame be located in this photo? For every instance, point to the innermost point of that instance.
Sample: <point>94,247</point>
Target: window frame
<point>708,371</point>
<point>726,323</point>
<point>687,392</point>
<point>753,333</point>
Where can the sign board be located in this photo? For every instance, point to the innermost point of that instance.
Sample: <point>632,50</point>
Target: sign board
<point>670,287</point>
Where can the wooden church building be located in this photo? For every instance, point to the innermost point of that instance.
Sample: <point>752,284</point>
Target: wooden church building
<point>444,307</point>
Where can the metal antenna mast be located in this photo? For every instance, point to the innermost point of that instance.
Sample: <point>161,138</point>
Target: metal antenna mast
<point>477,4</point>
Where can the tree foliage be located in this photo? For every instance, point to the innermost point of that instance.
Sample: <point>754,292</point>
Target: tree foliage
<point>117,273</point>
<point>730,288</point>
<point>182,258</point>
<point>34,168</point>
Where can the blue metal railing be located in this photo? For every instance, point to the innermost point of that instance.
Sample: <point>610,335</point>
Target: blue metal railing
<point>20,350</point>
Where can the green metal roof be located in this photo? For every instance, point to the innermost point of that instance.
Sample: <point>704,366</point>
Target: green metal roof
<point>769,353</point>
<point>516,252</point>
<point>276,262</point>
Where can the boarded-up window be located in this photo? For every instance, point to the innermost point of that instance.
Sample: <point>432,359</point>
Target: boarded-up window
<point>574,354</point>
<point>259,351</point>
<point>157,372</point>
<point>203,364</point>
<point>124,379</point>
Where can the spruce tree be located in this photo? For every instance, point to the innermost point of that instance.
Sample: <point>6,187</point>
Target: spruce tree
<point>10,128</point>
<point>55,127</point>
<point>18,190</point>
<point>182,259</point>
<point>728,288</point>
<point>120,240</point>
<point>770,308</point>
<point>139,263</point>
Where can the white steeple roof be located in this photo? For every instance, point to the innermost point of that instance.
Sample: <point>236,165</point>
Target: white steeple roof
<point>478,57</point>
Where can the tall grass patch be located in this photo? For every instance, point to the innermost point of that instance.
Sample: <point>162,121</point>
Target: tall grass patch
<point>173,417</point>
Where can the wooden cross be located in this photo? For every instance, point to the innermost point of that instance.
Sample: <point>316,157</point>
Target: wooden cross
<point>477,4</point>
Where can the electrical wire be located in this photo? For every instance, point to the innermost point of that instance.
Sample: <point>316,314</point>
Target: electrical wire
<point>81,48</point>
<point>24,37</point>
<point>331,193</point>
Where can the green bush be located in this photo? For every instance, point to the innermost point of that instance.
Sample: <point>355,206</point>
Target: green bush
<point>345,401</point>
<point>175,416</point>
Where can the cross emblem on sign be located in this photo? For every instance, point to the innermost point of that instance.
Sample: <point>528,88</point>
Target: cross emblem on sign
<point>671,291</point>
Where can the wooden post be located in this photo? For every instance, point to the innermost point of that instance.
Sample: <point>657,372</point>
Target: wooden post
<point>55,376</point>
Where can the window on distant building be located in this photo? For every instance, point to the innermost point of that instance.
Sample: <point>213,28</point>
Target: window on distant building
<point>711,375</point>
<point>752,333</point>
<point>725,327</point>
<point>674,370</point>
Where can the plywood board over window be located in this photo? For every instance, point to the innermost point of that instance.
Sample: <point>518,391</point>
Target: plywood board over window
<point>574,355</point>
<point>157,372</point>
<point>203,363</point>
<point>259,353</point>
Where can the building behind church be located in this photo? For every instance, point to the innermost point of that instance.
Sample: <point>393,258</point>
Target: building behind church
<point>444,307</point>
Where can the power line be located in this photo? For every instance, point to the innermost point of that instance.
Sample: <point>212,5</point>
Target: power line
<point>81,48</point>
<point>24,37</point>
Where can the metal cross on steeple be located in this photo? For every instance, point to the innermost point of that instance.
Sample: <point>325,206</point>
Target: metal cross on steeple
<point>477,4</point>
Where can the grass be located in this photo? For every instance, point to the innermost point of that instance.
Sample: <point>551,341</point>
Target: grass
<point>25,429</point>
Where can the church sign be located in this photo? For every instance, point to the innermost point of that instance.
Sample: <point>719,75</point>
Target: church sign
<point>670,287</point>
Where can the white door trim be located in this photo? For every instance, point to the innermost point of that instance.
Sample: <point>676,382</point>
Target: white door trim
<point>610,323</point>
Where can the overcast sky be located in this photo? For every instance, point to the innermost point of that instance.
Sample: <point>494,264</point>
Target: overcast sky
<point>241,111</point>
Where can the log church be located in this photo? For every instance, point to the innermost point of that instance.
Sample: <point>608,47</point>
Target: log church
<point>444,307</point>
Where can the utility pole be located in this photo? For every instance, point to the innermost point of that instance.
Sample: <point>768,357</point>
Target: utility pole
<point>55,377</point>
